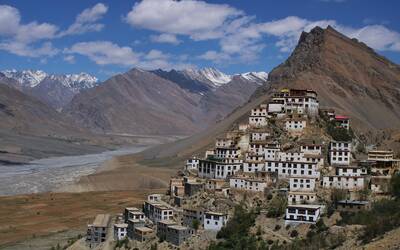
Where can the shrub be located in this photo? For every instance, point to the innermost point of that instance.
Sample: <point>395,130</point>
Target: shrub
<point>195,224</point>
<point>277,206</point>
<point>383,216</point>
<point>236,233</point>
<point>395,185</point>
<point>339,133</point>
<point>277,227</point>
<point>321,226</point>
<point>294,234</point>
<point>259,231</point>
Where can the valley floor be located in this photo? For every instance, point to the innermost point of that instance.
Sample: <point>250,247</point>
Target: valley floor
<point>39,221</point>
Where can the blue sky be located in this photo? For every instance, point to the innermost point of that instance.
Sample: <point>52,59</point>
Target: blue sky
<point>108,37</point>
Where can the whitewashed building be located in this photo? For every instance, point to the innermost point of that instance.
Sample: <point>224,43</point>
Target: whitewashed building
<point>286,169</point>
<point>259,136</point>
<point>296,214</point>
<point>302,183</point>
<point>301,157</point>
<point>295,125</point>
<point>261,110</point>
<point>300,101</point>
<point>340,153</point>
<point>154,197</point>
<point>343,170</point>
<point>312,149</point>
<point>271,151</point>
<point>276,106</point>
<point>192,164</point>
<point>224,143</point>
<point>120,231</point>
<point>219,169</point>
<point>157,211</point>
<point>258,121</point>
<point>214,221</point>
<point>351,183</point>
<point>253,163</point>
<point>227,152</point>
<point>302,197</point>
<point>248,183</point>
<point>342,121</point>
<point>257,148</point>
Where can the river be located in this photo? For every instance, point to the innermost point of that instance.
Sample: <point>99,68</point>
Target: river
<point>48,174</point>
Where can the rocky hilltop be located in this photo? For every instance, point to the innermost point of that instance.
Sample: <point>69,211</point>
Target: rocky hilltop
<point>348,76</point>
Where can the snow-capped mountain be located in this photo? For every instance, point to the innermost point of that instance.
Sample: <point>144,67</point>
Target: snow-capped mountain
<point>76,82</point>
<point>211,75</point>
<point>27,78</point>
<point>57,90</point>
<point>217,78</point>
<point>32,78</point>
<point>255,76</point>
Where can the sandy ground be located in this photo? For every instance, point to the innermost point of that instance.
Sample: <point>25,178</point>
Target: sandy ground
<point>42,220</point>
<point>121,173</point>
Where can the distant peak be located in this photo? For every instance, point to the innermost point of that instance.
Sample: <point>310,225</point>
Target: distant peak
<point>213,76</point>
<point>258,77</point>
<point>31,78</point>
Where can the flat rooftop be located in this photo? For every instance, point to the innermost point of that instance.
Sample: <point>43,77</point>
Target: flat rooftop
<point>132,208</point>
<point>136,212</point>
<point>121,225</point>
<point>354,202</point>
<point>167,222</point>
<point>178,227</point>
<point>305,206</point>
<point>101,220</point>
<point>144,229</point>
<point>215,213</point>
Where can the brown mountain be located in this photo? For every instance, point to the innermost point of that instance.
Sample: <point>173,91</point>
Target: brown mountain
<point>348,76</point>
<point>24,114</point>
<point>30,129</point>
<point>143,102</point>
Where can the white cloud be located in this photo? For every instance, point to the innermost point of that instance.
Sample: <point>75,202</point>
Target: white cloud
<point>377,36</point>
<point>165,38</point>
<point>22,49</point>
<point>105,52</point>
<point>215,56</point>
<point>30,39</point>
<point>247,43</point>
<point>69,59</point>
<point>9,20</point>
<point>11,28</point>
<point>108,53</point>
<point>86,21</point>
<point>156,54</point>
<point>197,19</point>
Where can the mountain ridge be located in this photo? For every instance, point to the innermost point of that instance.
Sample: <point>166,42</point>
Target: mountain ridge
<point>56,90</point>
<point>183,104</point>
